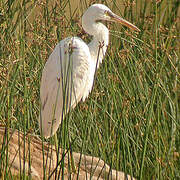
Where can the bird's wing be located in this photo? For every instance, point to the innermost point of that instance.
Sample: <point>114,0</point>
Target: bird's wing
<point>66,79</point>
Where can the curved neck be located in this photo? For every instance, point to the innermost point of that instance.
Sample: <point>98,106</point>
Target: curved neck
<point>100,40</point>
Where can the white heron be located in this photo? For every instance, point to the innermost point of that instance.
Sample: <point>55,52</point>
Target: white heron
<point>68,74</point>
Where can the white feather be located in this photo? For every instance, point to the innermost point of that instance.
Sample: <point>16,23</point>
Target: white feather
<point>68,73</point>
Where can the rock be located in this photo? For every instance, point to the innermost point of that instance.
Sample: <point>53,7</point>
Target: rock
<point>25,155</point>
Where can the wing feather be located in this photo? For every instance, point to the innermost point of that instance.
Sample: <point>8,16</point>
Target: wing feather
<point>66,79</point>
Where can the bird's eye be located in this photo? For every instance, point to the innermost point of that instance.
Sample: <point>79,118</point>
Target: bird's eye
<point>107,13</point>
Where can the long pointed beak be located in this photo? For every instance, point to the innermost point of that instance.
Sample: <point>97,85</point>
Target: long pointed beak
<point>116,18</point>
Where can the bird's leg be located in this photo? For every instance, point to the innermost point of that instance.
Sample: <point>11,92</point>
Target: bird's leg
<point>72,166</point>
<point>56,147</point>
<point>56,142</point>
<point>72,160</point>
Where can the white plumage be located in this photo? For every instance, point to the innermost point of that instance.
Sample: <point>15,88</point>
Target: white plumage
<point>68,74</point>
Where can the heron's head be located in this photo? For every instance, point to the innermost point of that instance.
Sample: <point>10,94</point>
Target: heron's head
<point>100,12</point>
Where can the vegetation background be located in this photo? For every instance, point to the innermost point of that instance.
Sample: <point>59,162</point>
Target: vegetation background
<point>132,117</point>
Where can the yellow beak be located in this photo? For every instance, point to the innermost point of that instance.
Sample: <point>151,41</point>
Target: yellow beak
<point>116,18</point>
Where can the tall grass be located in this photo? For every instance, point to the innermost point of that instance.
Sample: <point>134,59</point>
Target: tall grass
<point>131,118</point>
